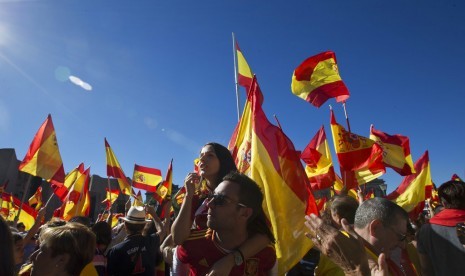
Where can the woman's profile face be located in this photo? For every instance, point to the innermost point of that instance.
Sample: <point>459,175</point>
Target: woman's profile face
<point>44,264</point>
<point>209,164</point>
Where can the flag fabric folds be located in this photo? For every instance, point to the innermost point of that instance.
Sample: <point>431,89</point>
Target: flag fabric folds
<point>164,190</point>
<point>244,73</point>
<point>62,191</point>
<point>43,158</point>
<point>114,169</point>
<point>27,215</point>
<point>319,166</point>
<point>267,155</point>
<point>138,201</point>
<point>360,159</point>
<point>111,197</point>
<point>36,199</point>
<point>77,202</point>
<point>7,204</point>
<point>415,188</point>
<point>396,151</point>
<point>317,79</point>
<point>146,178</point>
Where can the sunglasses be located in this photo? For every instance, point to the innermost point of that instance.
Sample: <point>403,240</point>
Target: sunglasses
<point>220,200</point>
<point>401,237</point>
<point>460,227</point>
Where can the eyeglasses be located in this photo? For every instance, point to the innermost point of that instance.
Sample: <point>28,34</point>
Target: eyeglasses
<point>220,200</point>
<point>400,236</point>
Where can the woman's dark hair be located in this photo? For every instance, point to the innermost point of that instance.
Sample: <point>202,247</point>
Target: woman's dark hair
<point>227,163</point>
<point>452,194</point>
<point>7,265</point>
<point>102,231</point>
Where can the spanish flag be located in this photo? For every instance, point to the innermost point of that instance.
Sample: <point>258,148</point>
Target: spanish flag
<point>360,159</point>
<point>114,170</point>
<point>112,196</point>
<point>270,159</point>
<point>146,178</point>
<point>396,151</point>
<point>77,201</point>
<point>62,192</point>
<point>319,166</point>
<point>7,204</point>
<point>27,215</point>
<point>43,158</point>
<point>415,188</point>
<point>244,73</point>
<point>36,199</point>
<point>317,79</point>
<point>164,190</point>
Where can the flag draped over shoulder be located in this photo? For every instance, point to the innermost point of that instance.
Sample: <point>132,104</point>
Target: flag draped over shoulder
<point>111,197</point>
<point>360,159</point>
<point>244,73</point>
<point>146,178</point>
<point>114,169</point>
<point>267,155</point>
<point>36,199</point>
<point>319,166</point>
<point>164,190</point>
<point>43,158</point>
<point>317,79</point>
<point>396,151</point>
<point>415,188</point>
<point>27,215</point>
<point>62,191</point>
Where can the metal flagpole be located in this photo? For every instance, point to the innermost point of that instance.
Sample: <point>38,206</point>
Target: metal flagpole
<point>235,77</point>
<point>24,198</point>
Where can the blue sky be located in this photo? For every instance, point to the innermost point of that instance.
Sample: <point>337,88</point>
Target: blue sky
<point>162,75</point>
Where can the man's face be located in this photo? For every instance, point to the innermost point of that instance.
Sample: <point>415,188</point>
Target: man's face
<point>224,208</point>
<point>388,237</point>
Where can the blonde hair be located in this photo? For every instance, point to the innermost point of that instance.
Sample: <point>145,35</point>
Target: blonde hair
<point>73,239</point>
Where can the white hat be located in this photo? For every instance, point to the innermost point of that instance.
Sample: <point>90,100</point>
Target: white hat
<point>136,214</point>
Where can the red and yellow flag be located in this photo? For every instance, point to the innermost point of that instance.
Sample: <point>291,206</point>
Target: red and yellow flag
<point>111,197</point>
<point>244,73</point>
<point>78,200</point>
<point>138,200</point>
<point>27,215</point>
<point>164,190</point>
<point>317,79</point>
<point>267,155</point>
<point>146,178</point>
<point>36,199</point>
<point>360,159</point>
<point>43,158</point>
<point>114,169</point>
<point>70,178</point>
<point>396,151</point>
<point>319,166</point>
<point>415,188</point>
<point>7,204</point>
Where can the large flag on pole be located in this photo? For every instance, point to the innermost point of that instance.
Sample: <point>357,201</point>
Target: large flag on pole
<point>43,158</point>
<point>319,166</point>
<point>165,188</point>
<point>317,79</point>
<point>360,159</point>
<point>244,73</point>
<point>267,155</point>
<point>146,178</point>
<point>62,191</point>
<point>114,169</point>
<point>36,199</point>
<point>415,188</point>
<point>396,151</point>
<point>77,202</point>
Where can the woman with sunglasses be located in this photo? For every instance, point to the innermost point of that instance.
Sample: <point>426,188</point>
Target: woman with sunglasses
<point>215,162</point>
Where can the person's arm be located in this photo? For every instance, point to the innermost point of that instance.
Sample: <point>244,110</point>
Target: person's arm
<point>181,228</point>
<point>248,249</point>
<point>35,228</point>
<point>157,221</point>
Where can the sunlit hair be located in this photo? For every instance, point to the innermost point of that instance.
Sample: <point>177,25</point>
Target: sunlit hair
<point>452,194</point>
<point>73,239</point>
<point>343,205</point>
<point>226,160</point>
<point>380,209</point>
<point>7,265</point>
<point>251,196</point>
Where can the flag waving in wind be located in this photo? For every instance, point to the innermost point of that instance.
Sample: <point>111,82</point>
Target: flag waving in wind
<point>43,158</point>
<point>146,178</point>
<point>165,188</point>
<point>112,196</point>
<point>36,199</point>
<point>114,170</point>
<point>267,155</point>
<point>317,79</point>
<point>244,73</point>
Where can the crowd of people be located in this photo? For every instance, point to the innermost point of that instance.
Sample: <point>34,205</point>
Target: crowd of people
<point>222,229</point>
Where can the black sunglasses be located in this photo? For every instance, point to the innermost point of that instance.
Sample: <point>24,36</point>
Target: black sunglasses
<point>220,200</point>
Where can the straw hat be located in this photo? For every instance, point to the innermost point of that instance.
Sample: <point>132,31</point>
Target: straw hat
<point>136,214</point>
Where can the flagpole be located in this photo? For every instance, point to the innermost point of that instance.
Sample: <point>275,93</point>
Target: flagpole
<point>48,200</point>
<point>235,77</point>
<point>24,197</point>
<point>347,117</point>
<point>277,121</point>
